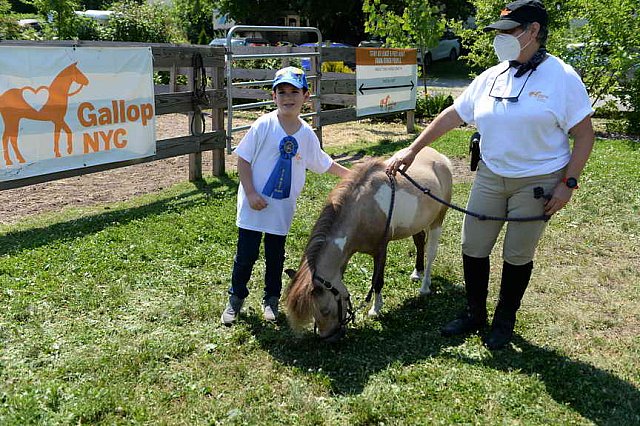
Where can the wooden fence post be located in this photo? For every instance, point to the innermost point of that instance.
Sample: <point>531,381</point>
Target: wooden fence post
<point>411,121</point>
<point>217,123</point>
<point>195,127</point>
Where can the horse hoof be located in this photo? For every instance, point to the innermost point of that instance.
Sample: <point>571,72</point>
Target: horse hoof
<point>426,292</point>
<point>373,313</point>
<point>416,276</point>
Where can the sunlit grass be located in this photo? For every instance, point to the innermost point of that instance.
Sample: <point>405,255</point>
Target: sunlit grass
<point>110,315</point>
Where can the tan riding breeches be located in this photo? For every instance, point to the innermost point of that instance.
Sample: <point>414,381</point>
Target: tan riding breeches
<point>495,195</point>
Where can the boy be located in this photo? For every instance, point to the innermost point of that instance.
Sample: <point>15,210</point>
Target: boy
<point>272,160</point>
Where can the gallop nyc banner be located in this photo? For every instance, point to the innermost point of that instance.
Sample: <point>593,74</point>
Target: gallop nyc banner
<point>65,108</point>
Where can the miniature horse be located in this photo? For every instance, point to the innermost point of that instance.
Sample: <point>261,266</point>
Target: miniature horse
<point>354,219</point>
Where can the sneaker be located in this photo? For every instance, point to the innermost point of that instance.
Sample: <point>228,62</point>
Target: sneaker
<point>270,309</point>
<point>231,312</point>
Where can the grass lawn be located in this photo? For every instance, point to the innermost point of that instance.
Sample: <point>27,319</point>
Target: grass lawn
<point>110,315</point>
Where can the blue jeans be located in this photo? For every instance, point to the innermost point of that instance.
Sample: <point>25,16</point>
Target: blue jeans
<point>246,256</point>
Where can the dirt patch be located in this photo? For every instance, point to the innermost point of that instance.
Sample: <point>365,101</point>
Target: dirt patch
<point>124,183</point>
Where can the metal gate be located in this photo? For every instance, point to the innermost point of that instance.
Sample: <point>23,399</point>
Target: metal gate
<point>313,76</point>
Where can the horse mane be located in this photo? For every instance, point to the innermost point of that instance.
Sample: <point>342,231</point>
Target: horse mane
<point>299,293</point>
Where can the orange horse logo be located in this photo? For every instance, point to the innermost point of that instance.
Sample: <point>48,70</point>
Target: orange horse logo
<point>46,103</point>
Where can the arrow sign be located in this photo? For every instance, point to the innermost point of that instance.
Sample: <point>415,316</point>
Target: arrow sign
<point>386,80</point>
<point>362,88</point>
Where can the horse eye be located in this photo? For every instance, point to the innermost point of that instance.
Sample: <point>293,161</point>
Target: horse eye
<point>325,311</point>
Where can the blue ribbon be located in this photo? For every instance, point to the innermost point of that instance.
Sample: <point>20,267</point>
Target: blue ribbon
<point>279,184</point>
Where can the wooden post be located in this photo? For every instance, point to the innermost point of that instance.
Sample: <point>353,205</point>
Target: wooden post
<point>316,69</point>
<point>217,123</point>
<point>411,121</point>
<point>195,127</point>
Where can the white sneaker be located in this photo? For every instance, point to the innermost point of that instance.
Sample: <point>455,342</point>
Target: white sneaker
<point>270,309</point>
<point>232,310</point>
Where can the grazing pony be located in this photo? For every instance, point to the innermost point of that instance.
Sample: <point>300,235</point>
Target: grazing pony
<point>354,220</point>
<point>14,107</point>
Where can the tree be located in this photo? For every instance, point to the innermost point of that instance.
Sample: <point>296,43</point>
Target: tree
<point>196,19</point>
<point>8,27</point>
<point>419,25</point>
<point>62,11</point>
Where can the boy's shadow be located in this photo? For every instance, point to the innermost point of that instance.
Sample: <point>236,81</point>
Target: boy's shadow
<point>410,333</point>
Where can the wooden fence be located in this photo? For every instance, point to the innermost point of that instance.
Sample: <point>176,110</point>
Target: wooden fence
<point>337,89</point>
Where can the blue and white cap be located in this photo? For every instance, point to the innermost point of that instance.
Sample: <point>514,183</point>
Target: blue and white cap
<point>292,75</point>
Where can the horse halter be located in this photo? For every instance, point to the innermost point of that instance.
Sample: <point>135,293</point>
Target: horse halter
<point>350,314</point>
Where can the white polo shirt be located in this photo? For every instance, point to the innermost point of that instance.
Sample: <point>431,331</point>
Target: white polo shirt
<point>528,137</point>
<point>261,147</point>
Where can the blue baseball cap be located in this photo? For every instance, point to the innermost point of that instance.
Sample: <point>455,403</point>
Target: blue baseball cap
<point>292,75</point>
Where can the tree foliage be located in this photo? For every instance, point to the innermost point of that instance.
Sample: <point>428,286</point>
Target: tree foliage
<point>65,21</point>
<point>8,27</point>
<point>195,18</point>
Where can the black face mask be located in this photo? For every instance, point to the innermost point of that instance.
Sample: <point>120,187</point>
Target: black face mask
<point>531,64</point>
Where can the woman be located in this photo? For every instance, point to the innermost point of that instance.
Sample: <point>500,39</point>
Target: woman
<point>525,108</point>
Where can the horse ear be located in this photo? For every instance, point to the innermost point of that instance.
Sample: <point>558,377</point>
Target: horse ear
<point>290,272</point>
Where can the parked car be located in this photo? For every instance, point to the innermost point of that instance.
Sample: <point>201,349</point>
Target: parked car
<point>370,43</point>
<point>583,55</point>
<point>240,41</point>
<point>448,48</point>
<point>31,23</point>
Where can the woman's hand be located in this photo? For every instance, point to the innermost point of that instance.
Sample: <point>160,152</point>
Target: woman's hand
<point>561,196</point>
<point>401,159</point>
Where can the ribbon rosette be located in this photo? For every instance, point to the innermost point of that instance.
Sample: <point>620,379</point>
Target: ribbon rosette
<point>279,184</point>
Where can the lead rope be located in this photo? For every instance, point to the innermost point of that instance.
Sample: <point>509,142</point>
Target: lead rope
<point>199,95</point>
<point>479,216</point>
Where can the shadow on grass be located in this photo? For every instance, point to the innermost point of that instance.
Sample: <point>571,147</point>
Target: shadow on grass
<point>13,242</point>
<point>410,333</point>
<point>406,334</point>
<point>596,394</point>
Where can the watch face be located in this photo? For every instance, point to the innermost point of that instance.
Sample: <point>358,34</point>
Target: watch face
<point>572,182</point>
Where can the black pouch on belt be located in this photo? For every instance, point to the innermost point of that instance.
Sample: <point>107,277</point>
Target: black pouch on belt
<point>474,150</point>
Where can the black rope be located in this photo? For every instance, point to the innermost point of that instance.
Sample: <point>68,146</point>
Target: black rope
<point>199,95</point>
<point>479,216</point>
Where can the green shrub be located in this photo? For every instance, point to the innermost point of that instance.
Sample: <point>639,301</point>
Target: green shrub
<point>149,23</point>
<point>431,105</point>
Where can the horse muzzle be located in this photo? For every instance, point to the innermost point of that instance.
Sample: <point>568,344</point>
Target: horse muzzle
<point>336,335</point>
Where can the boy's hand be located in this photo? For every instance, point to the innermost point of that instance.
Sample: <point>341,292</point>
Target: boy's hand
<point>256,201</point>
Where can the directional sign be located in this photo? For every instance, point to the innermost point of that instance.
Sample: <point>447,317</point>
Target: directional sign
<point>385,80</point>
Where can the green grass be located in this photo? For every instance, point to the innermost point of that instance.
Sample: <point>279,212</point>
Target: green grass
<point>110,315</point>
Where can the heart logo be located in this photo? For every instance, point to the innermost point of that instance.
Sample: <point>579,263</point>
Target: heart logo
<point>36,98</point>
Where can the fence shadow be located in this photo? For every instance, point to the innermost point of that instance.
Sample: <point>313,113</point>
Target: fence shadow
<point>14,242</point>
<point>410,333</point>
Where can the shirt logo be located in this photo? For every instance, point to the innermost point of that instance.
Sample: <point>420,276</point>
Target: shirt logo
<point>538,95</point>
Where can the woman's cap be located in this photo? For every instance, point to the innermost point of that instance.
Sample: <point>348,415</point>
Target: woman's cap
<point>520,12</point>
<point>292,75</point>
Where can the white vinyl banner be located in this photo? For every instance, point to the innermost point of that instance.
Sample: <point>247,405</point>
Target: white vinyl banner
<point>65,108</point>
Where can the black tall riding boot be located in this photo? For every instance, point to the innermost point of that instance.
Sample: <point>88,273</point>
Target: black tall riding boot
<point>476,284</point>
<point>515,280</point>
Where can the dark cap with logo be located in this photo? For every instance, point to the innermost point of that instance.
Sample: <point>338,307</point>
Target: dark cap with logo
<point>520,12</point>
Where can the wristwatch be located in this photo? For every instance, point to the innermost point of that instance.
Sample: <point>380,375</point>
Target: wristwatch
<point>571,182</point>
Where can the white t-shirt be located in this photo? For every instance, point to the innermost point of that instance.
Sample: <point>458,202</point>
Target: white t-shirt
<point>528,137</point>
<point>260,147</point>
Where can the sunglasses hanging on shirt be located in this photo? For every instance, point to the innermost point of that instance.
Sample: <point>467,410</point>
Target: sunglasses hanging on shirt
<point>531,65</point>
